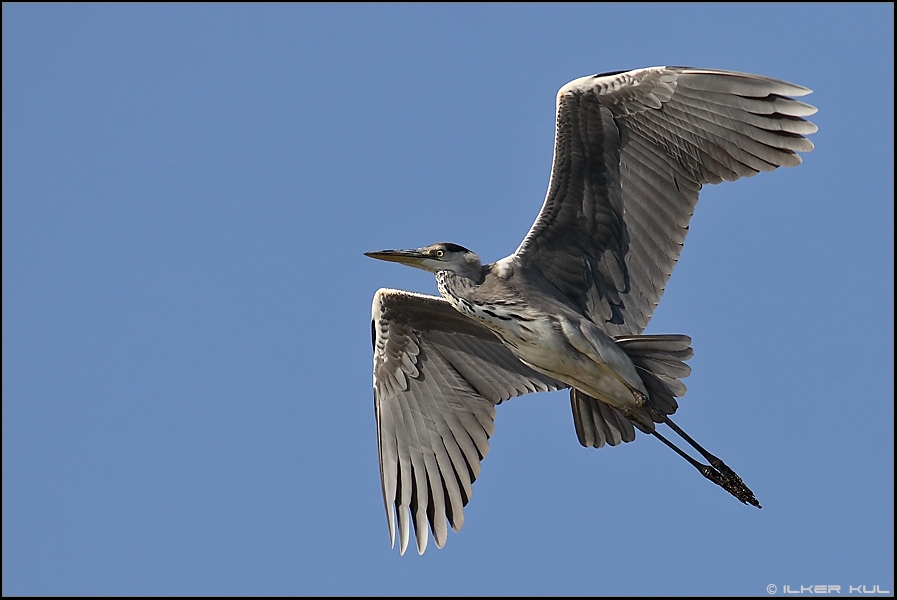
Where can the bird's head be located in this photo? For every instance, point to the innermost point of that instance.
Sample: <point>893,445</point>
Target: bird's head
<point>437,257</point>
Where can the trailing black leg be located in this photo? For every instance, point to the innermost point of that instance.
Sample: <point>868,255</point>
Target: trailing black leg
<point>733,483</point>
<point>724,477</point>
<point>659,360</point>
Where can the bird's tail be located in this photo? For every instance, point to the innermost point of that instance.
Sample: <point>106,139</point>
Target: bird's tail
<point>659,360</point>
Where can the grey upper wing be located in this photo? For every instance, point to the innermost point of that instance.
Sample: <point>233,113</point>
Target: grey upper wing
<point>437,378</point>
<point>632,150</point>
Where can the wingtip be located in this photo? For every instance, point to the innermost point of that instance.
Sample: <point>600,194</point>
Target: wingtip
<point>421,533</point>
<point>390,520</point>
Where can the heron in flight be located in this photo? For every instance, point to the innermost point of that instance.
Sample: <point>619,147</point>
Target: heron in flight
<point>568,307</point>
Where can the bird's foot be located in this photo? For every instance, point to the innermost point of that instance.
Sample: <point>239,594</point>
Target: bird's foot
<point>720,474</point>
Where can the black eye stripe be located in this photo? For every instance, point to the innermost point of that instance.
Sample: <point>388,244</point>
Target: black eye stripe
<point>455,248</point>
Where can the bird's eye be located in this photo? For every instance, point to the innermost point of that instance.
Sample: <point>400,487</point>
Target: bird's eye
<point>440,253</point>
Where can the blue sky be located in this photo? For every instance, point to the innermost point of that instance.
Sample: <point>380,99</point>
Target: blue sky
<point>187,404</point>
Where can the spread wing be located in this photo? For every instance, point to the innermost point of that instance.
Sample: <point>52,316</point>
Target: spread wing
<point>632,150</point>
<point>437,378</point>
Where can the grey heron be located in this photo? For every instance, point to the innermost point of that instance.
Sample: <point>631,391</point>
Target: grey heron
<point>567,309</point>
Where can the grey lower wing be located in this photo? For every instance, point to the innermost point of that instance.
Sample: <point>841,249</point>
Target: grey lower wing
<point>437,378</point>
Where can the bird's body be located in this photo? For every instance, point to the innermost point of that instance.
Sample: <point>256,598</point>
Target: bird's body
<point>568,307</point>
<point>540,339</point>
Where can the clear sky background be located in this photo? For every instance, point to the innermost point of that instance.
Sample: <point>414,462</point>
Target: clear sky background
<point>187,403</point>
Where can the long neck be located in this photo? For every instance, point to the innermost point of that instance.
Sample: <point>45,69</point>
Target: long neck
<point>503,313</point>
<point>457,289</point>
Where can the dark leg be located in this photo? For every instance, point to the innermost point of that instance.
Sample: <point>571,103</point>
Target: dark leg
<point>717,472</point>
